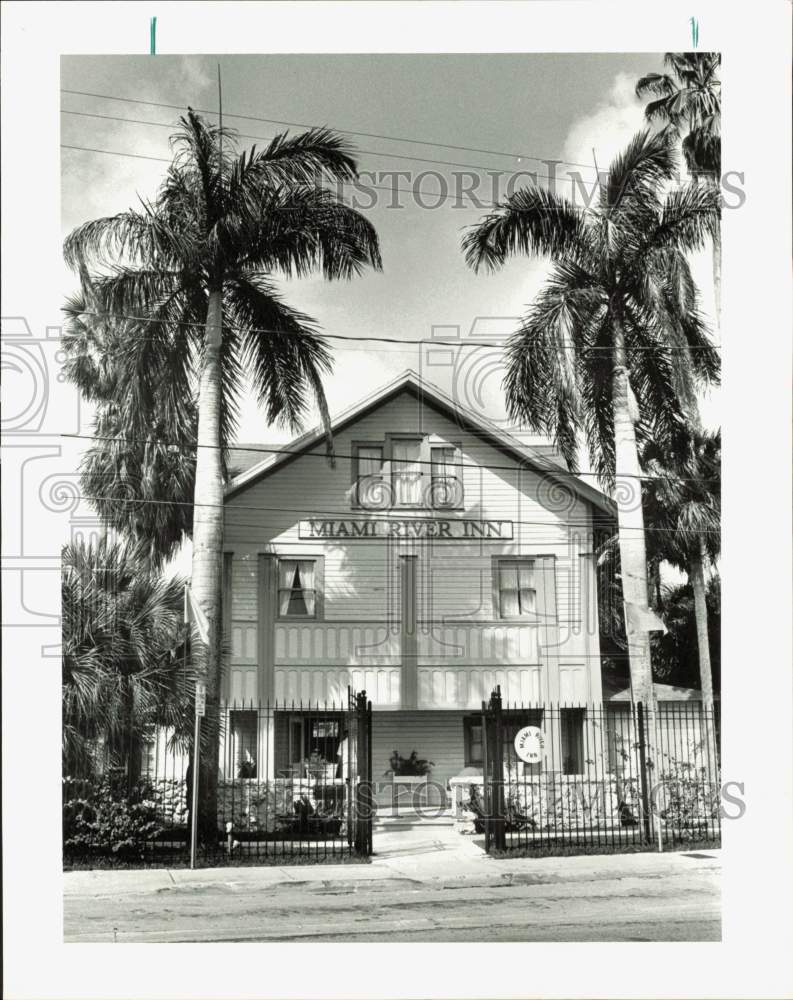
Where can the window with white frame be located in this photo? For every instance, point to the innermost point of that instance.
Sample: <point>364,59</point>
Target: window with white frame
<point>371,488</point>
<point>515,589</point>
<point>406,471</point>
<point>446,488</point>
<point>297,590</point>
<point>409,471</point>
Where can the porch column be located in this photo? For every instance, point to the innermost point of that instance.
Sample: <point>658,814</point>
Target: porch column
<point>267,607</point>
<point>549,627</point>
<point>408,636</point>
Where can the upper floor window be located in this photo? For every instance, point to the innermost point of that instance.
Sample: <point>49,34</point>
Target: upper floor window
<point>516,593</point>
<point>297,591</point>
<point>370,486</point>
<point>446,486</point>
<point>408,471</point>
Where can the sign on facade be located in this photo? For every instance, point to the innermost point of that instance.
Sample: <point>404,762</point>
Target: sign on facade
<point>529,744</point>
<point>442,529</point>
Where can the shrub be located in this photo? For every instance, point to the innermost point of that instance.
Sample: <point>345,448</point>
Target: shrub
<point>106,817</point>
<point>690,801</point>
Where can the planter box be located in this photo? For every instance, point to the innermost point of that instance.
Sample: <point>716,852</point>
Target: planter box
<point>403,789</point>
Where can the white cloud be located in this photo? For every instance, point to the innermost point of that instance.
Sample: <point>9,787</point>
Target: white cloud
<point>608,128</point>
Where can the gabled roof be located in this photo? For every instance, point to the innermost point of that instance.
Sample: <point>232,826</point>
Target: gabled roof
<point>242,457</point>
<point>426,392</point>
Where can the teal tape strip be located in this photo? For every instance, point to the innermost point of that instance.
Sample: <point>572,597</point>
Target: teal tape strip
<point>153,37</point>
<point>694,31</point>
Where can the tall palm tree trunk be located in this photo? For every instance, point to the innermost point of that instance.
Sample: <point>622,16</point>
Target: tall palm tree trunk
<point>697,578</point>
<point>630,519</point>
<point>206,581</point>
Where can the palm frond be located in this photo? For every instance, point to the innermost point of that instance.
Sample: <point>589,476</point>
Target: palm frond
<point>533,221</point>
<point>281,349</point>
<point>301,230</point>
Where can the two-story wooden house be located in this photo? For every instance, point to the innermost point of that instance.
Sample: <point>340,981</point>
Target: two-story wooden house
<point>438,557</point>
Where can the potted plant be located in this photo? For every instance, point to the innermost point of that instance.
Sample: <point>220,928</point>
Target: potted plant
<point>409,771</point>
<point>409,767</point>
<point>247,768</point>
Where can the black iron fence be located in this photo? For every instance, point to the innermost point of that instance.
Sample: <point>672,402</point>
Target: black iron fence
<point>292,780</point>
<point>608,776</point>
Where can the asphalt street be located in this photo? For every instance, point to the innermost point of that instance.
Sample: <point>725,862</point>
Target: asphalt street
<point>423,885</point>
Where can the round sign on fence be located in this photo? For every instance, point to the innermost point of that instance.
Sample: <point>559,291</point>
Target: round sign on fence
<point>529,744</point>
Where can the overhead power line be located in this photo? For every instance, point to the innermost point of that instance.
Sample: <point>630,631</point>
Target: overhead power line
<point>365,135</point>
<point>552,472</point>
<point>392,340</point>
<point>364,186</point>
<point>361,185</point>
<point>481,167</point>
<point>362,518</point>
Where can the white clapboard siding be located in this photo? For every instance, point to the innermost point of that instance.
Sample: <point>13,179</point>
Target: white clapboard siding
<point>347,643</point>
<point>362,578</point>
<point>440,687</point>
<point>330,685</point>
<point>573,683</point>
<point>507,643</point>
<point>436,736</point>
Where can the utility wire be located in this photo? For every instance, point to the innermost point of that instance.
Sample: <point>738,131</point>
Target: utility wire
<point>363,519</point>
<point>366,135</point>
<point>369,152</point>
<point>178,445</point>
<point>387,340</point>
<point>365,186</point>
<point>357,182</point>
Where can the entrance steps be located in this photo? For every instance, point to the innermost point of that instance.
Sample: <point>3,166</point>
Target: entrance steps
<point>404,819</point>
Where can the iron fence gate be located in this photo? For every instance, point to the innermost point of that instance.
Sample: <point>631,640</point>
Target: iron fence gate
<point>292,780</point>
<point>607,776</point>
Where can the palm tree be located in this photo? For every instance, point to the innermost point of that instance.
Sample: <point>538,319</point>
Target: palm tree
<point>141,487</point>
<point>194,268</point>
<point>675,653</point>
<point>122,668</point>
<point>687,101</point>
<point>685,504</point>
<point>614,346</point>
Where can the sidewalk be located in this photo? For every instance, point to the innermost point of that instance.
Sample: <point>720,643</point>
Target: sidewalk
<point>428,859</point>
<point>425,883</point>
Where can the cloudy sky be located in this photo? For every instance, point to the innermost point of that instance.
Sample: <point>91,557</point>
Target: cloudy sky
<point>511,113</point>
